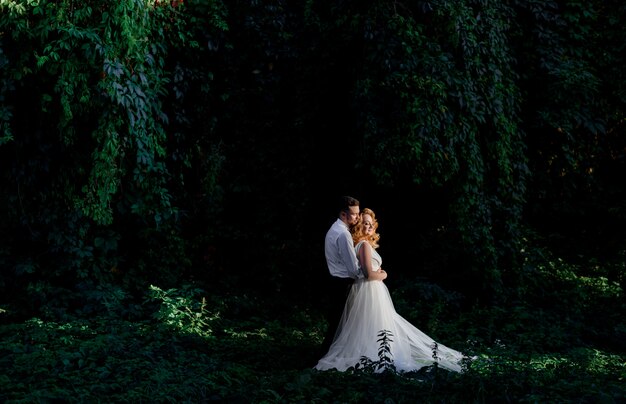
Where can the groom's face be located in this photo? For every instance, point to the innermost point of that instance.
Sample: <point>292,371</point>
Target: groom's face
<point>352,216</point>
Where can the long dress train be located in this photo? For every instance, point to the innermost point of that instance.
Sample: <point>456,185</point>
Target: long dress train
<point>368,311</point>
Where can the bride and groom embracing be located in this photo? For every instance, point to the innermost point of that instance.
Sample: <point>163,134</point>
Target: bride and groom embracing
<point>357,285</point>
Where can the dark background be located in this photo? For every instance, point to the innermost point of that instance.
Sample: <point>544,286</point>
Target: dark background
<point>205,142</point>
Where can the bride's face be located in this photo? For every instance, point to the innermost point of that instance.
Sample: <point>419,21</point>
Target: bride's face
<point>368,224</point>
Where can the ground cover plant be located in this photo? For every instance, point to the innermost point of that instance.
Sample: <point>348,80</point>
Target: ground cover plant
<point>561,342</point>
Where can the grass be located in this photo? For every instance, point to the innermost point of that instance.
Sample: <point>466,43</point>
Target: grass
<point>558,338</point>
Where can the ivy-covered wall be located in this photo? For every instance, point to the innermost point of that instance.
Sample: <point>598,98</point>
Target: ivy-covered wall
<point>167,141</point>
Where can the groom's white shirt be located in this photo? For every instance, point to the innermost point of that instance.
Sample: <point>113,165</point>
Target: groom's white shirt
<point>340,254</point>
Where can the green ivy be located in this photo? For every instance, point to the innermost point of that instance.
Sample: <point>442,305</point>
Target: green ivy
<point>440,104</point>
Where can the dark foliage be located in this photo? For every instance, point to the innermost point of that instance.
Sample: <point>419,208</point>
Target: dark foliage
<point>147,145</point>
<point>216,145</point>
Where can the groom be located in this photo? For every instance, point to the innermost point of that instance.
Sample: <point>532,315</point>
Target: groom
<point>342,262</point>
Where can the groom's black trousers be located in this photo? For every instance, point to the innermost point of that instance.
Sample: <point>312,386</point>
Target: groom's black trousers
<point>337,292</point>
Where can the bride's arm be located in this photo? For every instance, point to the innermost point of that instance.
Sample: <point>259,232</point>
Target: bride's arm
<point>365,258</point>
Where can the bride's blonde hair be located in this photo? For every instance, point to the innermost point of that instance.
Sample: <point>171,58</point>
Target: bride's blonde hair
<point>358,231</point>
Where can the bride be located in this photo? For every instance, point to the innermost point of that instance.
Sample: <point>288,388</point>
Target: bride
<point>369,314</point>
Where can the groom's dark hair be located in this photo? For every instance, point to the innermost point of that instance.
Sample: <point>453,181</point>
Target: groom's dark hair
<point>345,202</point>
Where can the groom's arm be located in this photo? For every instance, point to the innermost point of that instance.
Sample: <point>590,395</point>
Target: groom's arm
<point>346,248</point>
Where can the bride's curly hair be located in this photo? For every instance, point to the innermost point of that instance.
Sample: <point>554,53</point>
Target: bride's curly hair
<point>358,231</point>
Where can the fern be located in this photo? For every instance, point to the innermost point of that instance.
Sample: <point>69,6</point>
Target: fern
<point>385,356</point>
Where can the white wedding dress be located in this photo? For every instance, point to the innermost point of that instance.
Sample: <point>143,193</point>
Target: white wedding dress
<point>368,311</point>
